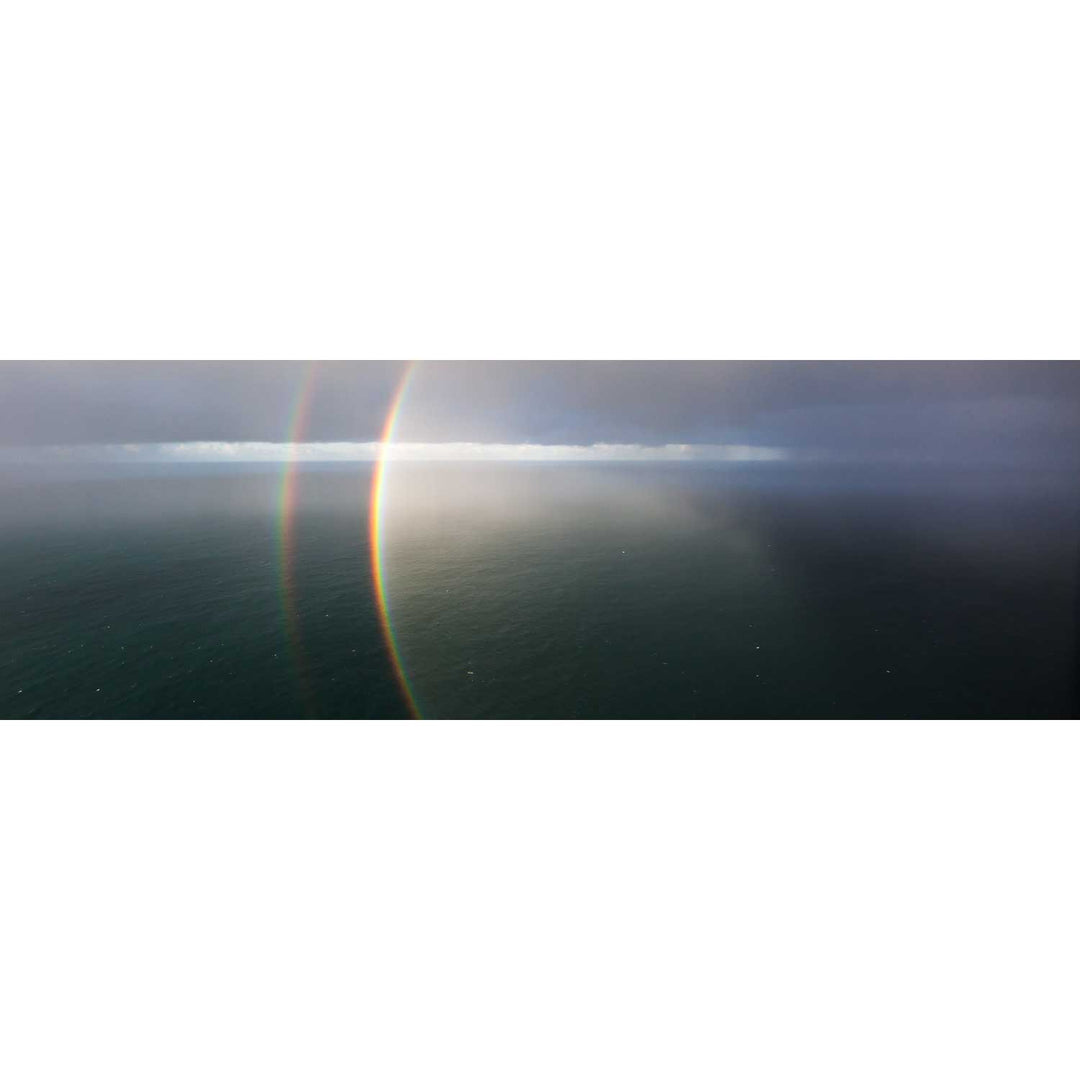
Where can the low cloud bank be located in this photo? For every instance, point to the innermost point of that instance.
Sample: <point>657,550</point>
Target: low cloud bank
<point>369,451</point>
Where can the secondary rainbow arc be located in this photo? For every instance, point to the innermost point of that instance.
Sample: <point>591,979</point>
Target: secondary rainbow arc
<point>286,529</point>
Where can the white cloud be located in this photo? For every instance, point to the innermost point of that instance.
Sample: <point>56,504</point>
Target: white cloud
<point>369,451</point>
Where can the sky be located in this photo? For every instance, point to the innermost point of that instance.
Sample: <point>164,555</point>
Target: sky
<point>993,412</point>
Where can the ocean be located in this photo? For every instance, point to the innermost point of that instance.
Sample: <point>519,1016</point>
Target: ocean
<point>530,591</point>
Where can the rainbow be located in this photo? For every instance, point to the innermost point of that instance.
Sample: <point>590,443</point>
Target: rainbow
<point>286,530</point>
<point>376,521</point>
<point>286,537</point>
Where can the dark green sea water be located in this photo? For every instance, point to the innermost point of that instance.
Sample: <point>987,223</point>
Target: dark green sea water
<point>542,591</point>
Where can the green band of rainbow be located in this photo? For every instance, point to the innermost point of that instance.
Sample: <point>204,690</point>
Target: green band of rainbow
<point>376,518</point>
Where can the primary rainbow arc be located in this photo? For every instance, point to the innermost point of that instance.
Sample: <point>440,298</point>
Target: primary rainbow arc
<point>376,517</point>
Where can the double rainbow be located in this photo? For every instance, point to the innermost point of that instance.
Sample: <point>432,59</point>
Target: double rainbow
<point>286,532</point>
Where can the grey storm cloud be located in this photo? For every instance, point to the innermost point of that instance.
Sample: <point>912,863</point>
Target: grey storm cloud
<point>972,410</point>
<point>47,403</point>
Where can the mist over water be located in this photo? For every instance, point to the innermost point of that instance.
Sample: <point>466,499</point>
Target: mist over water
<point>764,591</point>
<point>541,590</point>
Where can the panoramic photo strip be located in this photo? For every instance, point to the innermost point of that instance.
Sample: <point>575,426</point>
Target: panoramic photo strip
<point>539,540</point>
